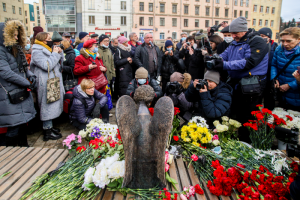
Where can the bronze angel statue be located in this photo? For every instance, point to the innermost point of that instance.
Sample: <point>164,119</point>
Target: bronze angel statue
<point>144,137</point>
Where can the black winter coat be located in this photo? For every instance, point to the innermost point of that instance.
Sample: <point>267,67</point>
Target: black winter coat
<point>124,70</point>
<point>78,110</point>
<point>141,58</point>
<point>168,65</point>
<point>213,104</point>
<point>69,64</point>
<point>134,84</point>
<point>222,46</point>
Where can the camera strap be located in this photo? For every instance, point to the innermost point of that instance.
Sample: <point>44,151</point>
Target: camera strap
<point>285,66</point>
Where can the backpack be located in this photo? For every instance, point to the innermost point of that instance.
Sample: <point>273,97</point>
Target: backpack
<point>68,101</point>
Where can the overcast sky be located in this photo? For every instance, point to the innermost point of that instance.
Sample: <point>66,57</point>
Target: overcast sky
<point>290,9</point>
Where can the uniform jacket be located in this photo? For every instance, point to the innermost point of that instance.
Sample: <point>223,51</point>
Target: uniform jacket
<point>11,78</point>
<point>106,56</point>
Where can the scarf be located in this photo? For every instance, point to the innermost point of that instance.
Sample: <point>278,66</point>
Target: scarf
<point>43,44</point>
<point>93,55</point>
<point>23,68</point>
<point>289,52</point>
<point>121,46</point>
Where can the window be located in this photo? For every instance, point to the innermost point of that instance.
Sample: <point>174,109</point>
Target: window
<point>123,20</point>
<point>273,10</point>
<point>197,8</point>
<point>107,4</point>
<point>107,20</point>
<point>226,12</point>
<point>254,22</point>
<point>261,9</point>
<point>14,9</point>
<point>235,13</point>
<point>162,36</point>
<point>26,20</point>
<point>141,21</point>
<point>217,23</point>
<point>207,1</point>
<point>123,5</point>
<point>266,22</point>
<point>26,13</point>
<point>174,22</point>
<point>162,7</point>
<point>186,9</point>
<point>272,23</point>
<point>150,7</point>
<point>4,7</point>
<point>260,22</point>
<point>141,6</point>
<point>207,11</point>
<point>26,28</point>
<point>267,9</point>
<point>174,35</point>
<point>185,22</point>
<point>20,11</point>
<point>255,8</point>
<point>91,20</point>
<point>91,4</point>
<point>174,8</point>
<point>217,1</point>
<point>247,3</point>
<point>150,21</point>
<point>235,2</point>
<point>162,21</point>
<point>217,11</point>
<point>196,22</point>
<point>241,13</point>
<point>246,14</point>
<point>242,2</point>
<point>206,23</point>
<point>141,35</point>
<point>227,2</point>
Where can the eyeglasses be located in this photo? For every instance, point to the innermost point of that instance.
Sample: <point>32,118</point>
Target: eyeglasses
<point>91,88</point>
<point>105,40</point>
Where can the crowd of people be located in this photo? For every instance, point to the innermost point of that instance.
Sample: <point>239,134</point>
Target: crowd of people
<point>204,74</point>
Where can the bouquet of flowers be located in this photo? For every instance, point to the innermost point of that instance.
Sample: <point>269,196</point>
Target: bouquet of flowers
<point>291,117</point>
<point>72,142</point>
<point>227,129</point>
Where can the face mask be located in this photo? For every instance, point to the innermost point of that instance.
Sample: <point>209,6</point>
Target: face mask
<point>183,38</point>
<point>195,46</point>
<point>169,49</point>
<point>50,43</point>
<point>104,46</point>
<point>266,40</point>
<point>95,50</point>
<point>27,47</point>
<point>228,39</point>
<point>142,81</point>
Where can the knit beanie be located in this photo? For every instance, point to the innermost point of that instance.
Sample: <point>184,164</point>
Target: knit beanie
<point>199,36</point>
<point>102,37</point>
<point>122,39</point>
<point>225,30</point>
<point>82,35</point>
<point>168,43</point>
<point>266,31</point>
<point>141,73</point>
<point>238,25</point>
<point>37,30</point>
<point>176,76</point>
<point>212,76</point>
<point>56,37</point>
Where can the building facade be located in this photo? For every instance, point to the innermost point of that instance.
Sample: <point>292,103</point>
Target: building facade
<point>29,18</point>
<point>109,17</point>
<point>12,9</point>
<point>168,18</point>
<point>266,13</point>
<point>34,17</point>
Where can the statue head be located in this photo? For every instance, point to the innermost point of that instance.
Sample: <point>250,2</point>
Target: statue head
<point>144,93</point>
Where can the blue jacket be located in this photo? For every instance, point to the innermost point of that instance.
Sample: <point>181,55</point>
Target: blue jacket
<point>250,54</point>
<point>212,104</point>
<point>79,46</point>
<point>292,96</point>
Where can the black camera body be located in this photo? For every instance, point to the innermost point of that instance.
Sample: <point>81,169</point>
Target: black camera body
<point>173,87</point>
<point>188,43</point>
<point>201,84</point>
<point>210,64</point>
<point>293,150</point>
<point>93,63</point>
<point>60,46</point>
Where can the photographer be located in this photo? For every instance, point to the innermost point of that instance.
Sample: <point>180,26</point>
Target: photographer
<point>179,83</point>
<point>213,96</point>
<point>56,38</point>
<point>182,40</point>
<point>169,62</point>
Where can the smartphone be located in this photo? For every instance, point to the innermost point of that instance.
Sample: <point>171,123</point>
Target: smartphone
<point>298,69</point>
<point>93,63</point>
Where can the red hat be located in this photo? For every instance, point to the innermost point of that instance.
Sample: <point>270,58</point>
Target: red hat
<point>89,43</point>
<point>37,30</point>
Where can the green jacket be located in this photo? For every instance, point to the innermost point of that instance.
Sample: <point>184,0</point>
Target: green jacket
<point>108,61</point>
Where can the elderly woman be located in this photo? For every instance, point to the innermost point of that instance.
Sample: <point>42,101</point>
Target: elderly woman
<point>84,107</point>
<point>88,65</point>
<point>287,84</point>
<point>43,57</point>
<point>14,113</point>
<point>123,63</point>
<point>69,60</point>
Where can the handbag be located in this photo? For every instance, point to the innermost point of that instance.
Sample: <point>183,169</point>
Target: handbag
<point>100,81</point>
<point>17,95</point>
<point>68,84</point>
<point>250,85</point>
<point>53,87</point>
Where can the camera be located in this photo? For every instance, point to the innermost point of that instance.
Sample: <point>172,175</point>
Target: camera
<point>293,150</point>
<point>173,87</point>
<point>201,84</point>
<point>60,46</point>
<point>210,64</point>
<point>188,43</point>
<point>215,28</point>
<point>93,63</point>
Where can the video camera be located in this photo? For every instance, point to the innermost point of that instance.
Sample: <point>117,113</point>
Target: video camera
<point>201,84</point>
<point>173,88</point>
<point>215,28</point>
<point>211,63</point>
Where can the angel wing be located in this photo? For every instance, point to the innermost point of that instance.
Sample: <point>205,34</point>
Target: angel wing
<point>129,127</point>
<point>161,126</point>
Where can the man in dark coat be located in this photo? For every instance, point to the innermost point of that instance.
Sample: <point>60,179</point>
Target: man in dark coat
<point>214,100</point>
<point>149,56</point>
<point>113,45</point>
<point>183,38</point>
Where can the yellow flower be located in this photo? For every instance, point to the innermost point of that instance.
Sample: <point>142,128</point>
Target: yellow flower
<point>187,139</point>
<point>196,144</point>
<point>200,129</point>
<point>205,130</point>
<point>184,128</point>
<point>193,125</point>
<point>194,135</point>
<point>183,135</point>
<point>203,140</point>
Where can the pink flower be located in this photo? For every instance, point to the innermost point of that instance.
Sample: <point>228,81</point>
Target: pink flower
<point>194,157</point>
<point>67,142</point>
<point>79,138</point>
<point>69,146</point>
<point>192,191</point>
<point>215,130</point>
<point>182,197</point>
<point>166,156</point>
<point>72,137</point>
<point>167,167</point>
<point>216,137</point>
<point>102,138</point>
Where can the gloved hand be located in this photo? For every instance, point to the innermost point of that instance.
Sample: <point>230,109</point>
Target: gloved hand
<point>96,111</point>
<point>207,58</point>
<point>178,91</point>
<point>32,79</point>
<point>219,64</point>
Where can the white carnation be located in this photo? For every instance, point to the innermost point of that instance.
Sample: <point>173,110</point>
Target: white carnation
<point>216,122</point>
<point>100,178</point>
<point>82,133</point>
<point>216,142</point>
<point>116,170</point>
<point>225,118</point>
<point>88,177</point>
<point>110,160</point>
<point>221,128</point>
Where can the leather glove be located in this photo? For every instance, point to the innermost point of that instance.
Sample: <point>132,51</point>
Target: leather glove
<point>219,64</point>
<point>207,58</point>
<point>96,111</point>
<point>32,79</point>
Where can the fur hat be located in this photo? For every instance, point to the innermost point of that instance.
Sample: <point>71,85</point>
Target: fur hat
<point>144,93</point>
<point>9,31</point>
<point>141,73</point>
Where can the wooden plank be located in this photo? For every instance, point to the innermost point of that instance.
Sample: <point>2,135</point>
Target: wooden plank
<point>17,172</point>
<point>98,197</point>
<point>118,196</point>
<point>31,139</point>
<point>27,175</point>
<point>208,194</point>
<point>39,142</point>
<point>130,197</point>
<point>63,157</point>
<point>195,181</point>
<point>57,157</point>
<point>9,153</point>
<point>173,174</point>
<point>108,195</point>
<point>7,149</point>
<point>50,144</point>
<point>2,147</point>
<point>233,196</point>
<point>225,197</point>
<point>12,156</point>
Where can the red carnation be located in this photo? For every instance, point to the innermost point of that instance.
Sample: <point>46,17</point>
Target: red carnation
<point>215,164</point>
<point>241,166</point>
<point>289,117</point>
<point>94,144</point>
<point>278,179</point>
<point>268,197</point>
<point>292,177</point>
<point>80,149</point>
<point>295,166</point>
<point>259,105</point>
<point>209,183</point>
<point>176,111</point>
<point>176,138</point>
<point>194,157</point>
<point>151,110</point>
<point>198,189</point>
